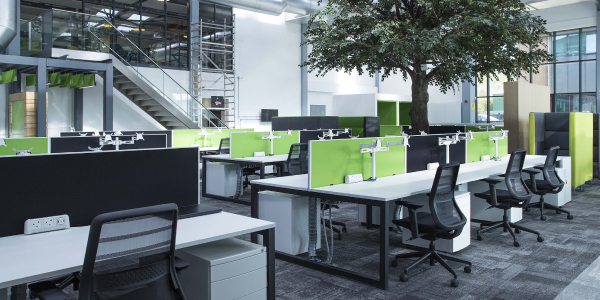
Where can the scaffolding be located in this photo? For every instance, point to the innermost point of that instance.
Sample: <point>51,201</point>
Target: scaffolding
<point>213,69</point>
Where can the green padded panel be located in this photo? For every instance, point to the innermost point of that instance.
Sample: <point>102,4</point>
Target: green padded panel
<point>357,124</point>
<point>387,111</point>
<point>188,138</point>
<point>40,145</point>
<point>17,125</point>
<point>244,144</point>
<point>31,80</point>
<point>404,108</point>
<point>482,145</point>
<point>9,76</point>
<point>332,160</point>
<point>531,134</point>
<point>389,130</point>
<point>581,147</point>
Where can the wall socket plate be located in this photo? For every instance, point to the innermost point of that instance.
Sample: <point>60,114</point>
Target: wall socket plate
<point>46,224</point>
<point>433,166</point>
<point>485,158</point>
<point>353,178</point>
<point>259,154</point>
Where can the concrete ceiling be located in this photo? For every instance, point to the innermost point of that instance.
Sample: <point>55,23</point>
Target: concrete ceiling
<point>542,4</point>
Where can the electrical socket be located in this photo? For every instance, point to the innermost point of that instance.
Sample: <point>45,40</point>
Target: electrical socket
<point>353,178</point>
<point>46,224</point>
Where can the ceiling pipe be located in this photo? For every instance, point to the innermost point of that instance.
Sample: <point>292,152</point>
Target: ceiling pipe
<point>8,24</point>
<point>276,7</point>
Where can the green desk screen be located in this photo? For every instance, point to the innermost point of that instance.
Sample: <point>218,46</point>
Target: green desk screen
<point>244,144</point>
<point>188,138</point>
<point>332,160</point>
<point>390,130</point>
<point>39,145</point>
<point>482,145</point>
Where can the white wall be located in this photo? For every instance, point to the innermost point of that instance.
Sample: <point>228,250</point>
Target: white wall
<point>579,15</point>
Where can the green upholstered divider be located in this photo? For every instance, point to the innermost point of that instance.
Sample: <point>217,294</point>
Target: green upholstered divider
<point>244,144</point>
<point>387,111</point>
<point>482,145</point>
<point>390,130</point>
<point>404,108</point>
<point>188,138</point>
<point>581,147</point>
<point>357,124</point>
<point>531,134</point>
<point>332,160</point>
<point>40,145</point>
<point>17,122</point>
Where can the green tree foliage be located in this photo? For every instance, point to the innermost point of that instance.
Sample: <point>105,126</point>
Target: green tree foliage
<point>458,40</point>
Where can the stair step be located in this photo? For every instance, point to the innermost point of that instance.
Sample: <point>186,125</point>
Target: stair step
<point>136,91</point>
<point>156,108</point>
<point>148,103</point>
<point>128,86</point>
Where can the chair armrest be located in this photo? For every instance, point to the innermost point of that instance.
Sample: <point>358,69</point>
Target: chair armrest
<point>46,290</point>
<point>491,181</point>
<point>531,171</point>
<point>412,214</point>
<point>539,167</point>
<point>409,205</point>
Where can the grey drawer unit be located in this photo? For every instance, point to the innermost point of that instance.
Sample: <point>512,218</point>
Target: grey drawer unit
<point>229,269</point>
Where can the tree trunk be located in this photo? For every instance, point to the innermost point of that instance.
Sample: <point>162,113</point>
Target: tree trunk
<point>418,109</point>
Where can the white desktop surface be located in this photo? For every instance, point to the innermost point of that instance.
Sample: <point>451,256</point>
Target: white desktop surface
<point>399,186</point>
<point>27,258</point>
<point>208,149</point>
<point>261,159</point>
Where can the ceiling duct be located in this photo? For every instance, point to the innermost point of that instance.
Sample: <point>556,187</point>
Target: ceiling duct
<point>8,24</point>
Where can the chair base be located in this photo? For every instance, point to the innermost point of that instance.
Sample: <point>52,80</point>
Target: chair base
<point>506,226</point>
<point>433,256</point>
<point>543,205</point>
<point>335,229</point>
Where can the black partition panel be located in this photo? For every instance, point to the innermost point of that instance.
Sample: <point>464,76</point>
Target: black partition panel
<point>84,185</point>
<point>304,123</point>
<point>437,129</point>
<point>372,127</point>
<point>66,144</point>
<point>169,133</point>
<point>425,149</point>
<point>313,135</point>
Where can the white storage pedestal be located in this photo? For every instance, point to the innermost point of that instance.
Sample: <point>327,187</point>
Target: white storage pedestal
<point>480,209</point>
<point>362,214</point>
<point>463,240</point>
<point>290,213</point>
<point>227,269</point>
<point>564,172</point>
<point>221,179</point>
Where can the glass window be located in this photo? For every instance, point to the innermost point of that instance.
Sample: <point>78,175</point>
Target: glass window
<point>497,109</point>
<point>588,43</point>
<point>567,78</point>
<point>155,50</point>
<point>588,76</point>
<point>482,87</point>
<point>588,103</point>
<point>152,26</point>
<point>177,29</point>
<point>178,8</point>
<point>482,109</point>
<point>128,3</point>
<point>567,46</point>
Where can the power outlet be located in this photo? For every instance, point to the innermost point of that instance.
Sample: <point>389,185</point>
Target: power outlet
<point>46,224</point>
<point>353,178</point>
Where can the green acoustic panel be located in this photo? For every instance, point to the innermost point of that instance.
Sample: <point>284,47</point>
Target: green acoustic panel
<point>404,108</point>
<point>481,145</point>
<point>581,147</point>
<point>39,145</point>
<point>474,128</point>
<point>189,138</point>
<point>246,143</point>
<point>31,80</point>
<point>531,134</point>
<point>89,80</point>
<point>332,160</point>
<point>390,130</point>
<point>9,76</point>
<point>77,81</point>
<point>66,80</point>
<point>357,124</point>
<point>54,79</point>
<point>17,122</point>
<point>387,111</point>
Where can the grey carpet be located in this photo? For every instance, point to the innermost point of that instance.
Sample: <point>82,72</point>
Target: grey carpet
<point>500,271</point>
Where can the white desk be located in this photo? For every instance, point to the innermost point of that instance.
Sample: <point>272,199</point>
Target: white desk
<point>22,259</point>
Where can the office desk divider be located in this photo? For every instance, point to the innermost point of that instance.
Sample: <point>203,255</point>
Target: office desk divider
<point>481,145</point>
<point>39,145</point>
<point>331,160</point>
<point>169,134</point>
<point>84,185</point>
<point>188,138</point>
<point>361,126</point>
<point>66,144</point>
<point>313,135</point>
<point>305,122</point>
<point>425,149</point>
<point>244,144</point>
<point>385,130</point>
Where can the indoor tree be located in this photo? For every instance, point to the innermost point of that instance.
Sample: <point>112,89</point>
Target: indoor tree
<point>432,42</point>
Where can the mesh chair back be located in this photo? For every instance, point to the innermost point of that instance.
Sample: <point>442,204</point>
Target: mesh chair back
<point>130,255</point>
<point>224,146</point>
<point>444,209</point>
<point>514,182</point>
<point>549,171</point>
<point>297,162</point>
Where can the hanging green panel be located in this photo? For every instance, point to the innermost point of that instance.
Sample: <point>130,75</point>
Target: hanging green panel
<point>9,76</point>
<point>89,80</point>
<point>17,122</point>
<point>65,80</point>
<point>54,79</point>
<point>30,80</point>
<point>77,81</point>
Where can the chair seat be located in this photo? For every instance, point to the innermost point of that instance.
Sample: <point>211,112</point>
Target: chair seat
<point>46,290</point>
<point>503,197</point>
<point>426,226</point>
<point>542,185</point>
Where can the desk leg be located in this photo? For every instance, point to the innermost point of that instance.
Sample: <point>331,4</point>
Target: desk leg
<point>369,216</point>
<point>384,244</point>
<point>262,171</point>
<point>253,208</point>
<point>4,294</point>
<point>269,242</point>
<point>203,177</point>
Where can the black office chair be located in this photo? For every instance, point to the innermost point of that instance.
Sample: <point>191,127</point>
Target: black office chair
<point>516,195</point>
<point>130,255</point>
<point>445,221</point>
<point>224,146</point>
<point>551,184</point>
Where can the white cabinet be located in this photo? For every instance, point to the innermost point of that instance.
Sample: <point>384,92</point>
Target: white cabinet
<point>221,179</point>
<point>229,269</point>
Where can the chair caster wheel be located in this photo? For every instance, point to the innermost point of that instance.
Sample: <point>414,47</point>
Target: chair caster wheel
<point>543,218</point>
<point>517,230</point>
<point>540,239</point>
<point>454,283</point>
<point>403,277</point>
<point>479,238</point>
<point>516,244</point>
<point>570,217</point>
<point>467,269</point>
<point>394,263</point>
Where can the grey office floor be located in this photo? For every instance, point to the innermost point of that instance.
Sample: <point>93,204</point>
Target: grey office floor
<point>564,266</point>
